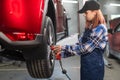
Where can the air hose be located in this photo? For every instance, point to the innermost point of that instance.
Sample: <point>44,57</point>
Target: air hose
<point>63,70</point>
<point>58,57</point>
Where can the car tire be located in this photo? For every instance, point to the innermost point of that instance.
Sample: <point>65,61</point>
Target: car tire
<point>43,68</point>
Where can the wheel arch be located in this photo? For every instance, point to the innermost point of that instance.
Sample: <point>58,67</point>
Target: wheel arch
<point>51,13</point>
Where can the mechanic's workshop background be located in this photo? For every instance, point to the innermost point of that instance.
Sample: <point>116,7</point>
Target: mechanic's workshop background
<point>16,70</point>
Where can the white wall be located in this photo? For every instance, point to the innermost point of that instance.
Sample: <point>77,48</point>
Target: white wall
<point>77,22</point>
<point>81,17</point>
<point>72,9</point>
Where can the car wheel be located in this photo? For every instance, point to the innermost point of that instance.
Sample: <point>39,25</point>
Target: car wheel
<point>43,68</point>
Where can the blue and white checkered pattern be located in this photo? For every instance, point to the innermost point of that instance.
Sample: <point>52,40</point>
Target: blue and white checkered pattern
<point>97,39</point>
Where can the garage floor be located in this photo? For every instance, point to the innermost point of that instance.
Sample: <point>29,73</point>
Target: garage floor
<point>10,71</point>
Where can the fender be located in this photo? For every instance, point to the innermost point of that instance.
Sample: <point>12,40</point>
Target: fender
<point>47,2</point>
<point>22,15</point>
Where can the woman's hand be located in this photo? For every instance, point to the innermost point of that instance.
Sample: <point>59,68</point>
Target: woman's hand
<point>57,51</point>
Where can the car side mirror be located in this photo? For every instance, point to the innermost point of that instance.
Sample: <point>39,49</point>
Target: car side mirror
<point>110,31</point>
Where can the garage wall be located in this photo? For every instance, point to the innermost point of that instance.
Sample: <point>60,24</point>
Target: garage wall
<point>72,9</point>
<point>77,22</point>
<point>81,17</point>
<point>109,10</point>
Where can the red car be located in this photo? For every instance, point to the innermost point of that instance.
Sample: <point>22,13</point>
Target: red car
<point>114,38</point>
<point>27,30</point>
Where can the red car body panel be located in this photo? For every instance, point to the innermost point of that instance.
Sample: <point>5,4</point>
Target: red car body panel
<point>60,15</point>
<point>21,16</point>
<point>114,37</point>
<point>114,23</point>
<point>115,41</point>
<point>23,20</point>
<point>27,17</point>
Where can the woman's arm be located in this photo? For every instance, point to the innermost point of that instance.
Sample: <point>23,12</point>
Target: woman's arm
<point>84,48</point>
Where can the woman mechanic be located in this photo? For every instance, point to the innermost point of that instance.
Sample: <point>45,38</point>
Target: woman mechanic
<point>91,44</point>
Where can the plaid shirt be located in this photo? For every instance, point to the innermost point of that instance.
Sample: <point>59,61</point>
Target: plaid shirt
<point>97,39</point>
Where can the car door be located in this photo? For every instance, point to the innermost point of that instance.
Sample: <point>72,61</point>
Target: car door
<point>60,16</point>
<point>116,38</point>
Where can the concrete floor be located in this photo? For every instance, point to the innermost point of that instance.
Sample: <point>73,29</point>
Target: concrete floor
<point>13,72</point>
<point>71,64</point>
<point>114,73</point>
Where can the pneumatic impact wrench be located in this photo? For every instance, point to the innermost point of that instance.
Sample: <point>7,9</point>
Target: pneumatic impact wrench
<point>58,57</point>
